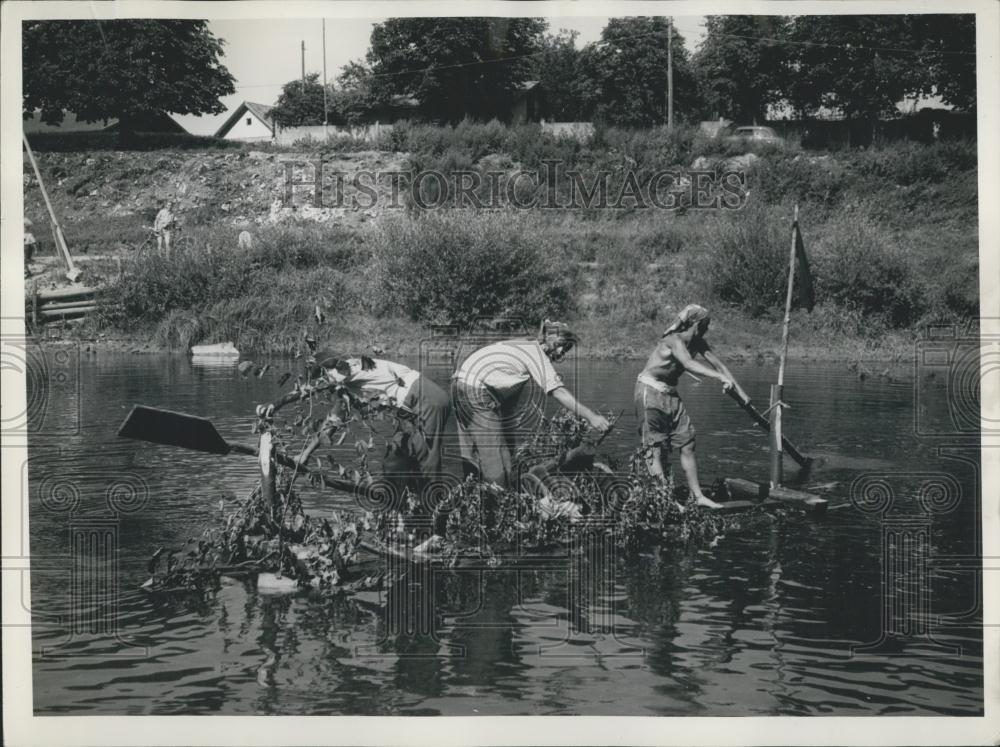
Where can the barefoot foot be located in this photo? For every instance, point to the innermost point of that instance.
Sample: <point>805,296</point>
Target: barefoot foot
<point>707,502</point>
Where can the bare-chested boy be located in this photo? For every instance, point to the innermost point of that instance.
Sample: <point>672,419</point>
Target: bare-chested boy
<point>663,421</point>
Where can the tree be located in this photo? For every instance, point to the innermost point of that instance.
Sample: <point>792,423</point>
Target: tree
<point>559,69</point>
<point>949,51</point>
<point>860,65</point>
<point>355,96</point>
<point>299,104</point>
<point>628,70</point>
<point>124,70</point>
<point>455,67</point>
<point>742,66</point>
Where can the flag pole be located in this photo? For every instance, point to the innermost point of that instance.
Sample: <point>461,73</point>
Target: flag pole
<point>777,389</point>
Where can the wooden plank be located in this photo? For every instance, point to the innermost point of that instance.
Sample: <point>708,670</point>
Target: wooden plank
<point>745,490</point>
<point>63,293</point>
<point>60,313</point>
<point>808,501</point>
<point>71,304</point>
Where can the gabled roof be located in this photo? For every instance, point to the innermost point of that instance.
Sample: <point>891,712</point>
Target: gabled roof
<point>261,111</point>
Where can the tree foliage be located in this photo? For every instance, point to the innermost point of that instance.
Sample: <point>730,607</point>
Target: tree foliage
<point>742,66</point>
<point>455,67</point>
<point>124,69</point>
<point>355,95</point>
<point>627,73</point>
<point>864,65</point>
<point>564,83</point>
<point>949,51</point>
<point>300,103</point>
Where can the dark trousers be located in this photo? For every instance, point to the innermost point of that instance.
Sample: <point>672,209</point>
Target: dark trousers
<point>485,434</point>
<point>432,408</point>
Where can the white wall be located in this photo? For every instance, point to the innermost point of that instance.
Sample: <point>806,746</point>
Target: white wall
<point>252,132</point>
<point>288,135</point>
<point>580,130</point>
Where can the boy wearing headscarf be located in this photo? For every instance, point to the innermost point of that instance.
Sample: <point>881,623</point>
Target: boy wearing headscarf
<point>663,420</point>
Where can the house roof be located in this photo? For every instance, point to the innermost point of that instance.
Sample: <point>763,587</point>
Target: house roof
<point>261,111</point>
<point>155,122</point>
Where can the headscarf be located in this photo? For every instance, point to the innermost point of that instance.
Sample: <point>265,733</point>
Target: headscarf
<point>689,316</point>
<point>559,328</point>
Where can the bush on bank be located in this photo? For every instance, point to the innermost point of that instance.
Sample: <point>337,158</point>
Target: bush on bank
<point>457,267</point>
<point>209,268</point>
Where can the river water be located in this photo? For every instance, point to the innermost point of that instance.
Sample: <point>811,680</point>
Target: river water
<point>871,609</point>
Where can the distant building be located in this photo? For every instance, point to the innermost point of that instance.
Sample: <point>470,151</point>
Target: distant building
<point>527,104</point>
<point>249,122</point>
<point>154,122</point>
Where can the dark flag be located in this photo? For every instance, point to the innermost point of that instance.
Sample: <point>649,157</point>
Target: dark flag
<point>807,291</point>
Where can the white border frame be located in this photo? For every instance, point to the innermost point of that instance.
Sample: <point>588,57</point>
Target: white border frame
<point>21,727</point>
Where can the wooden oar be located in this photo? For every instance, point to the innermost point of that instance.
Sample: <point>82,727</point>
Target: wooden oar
<point>803,461</point>
<point>171,428</point>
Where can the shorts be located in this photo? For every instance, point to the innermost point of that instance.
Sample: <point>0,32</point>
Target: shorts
<point>663,420</point>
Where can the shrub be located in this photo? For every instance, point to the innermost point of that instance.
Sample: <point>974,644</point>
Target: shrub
<point>861,268</point>
<point>197,276</point>
<point>457,267</point>
<point>746,260</point>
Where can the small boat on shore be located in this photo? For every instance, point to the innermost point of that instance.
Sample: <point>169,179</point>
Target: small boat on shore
<point>217,350</point>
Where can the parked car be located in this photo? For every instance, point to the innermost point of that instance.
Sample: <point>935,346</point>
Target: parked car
<point>756,135</point>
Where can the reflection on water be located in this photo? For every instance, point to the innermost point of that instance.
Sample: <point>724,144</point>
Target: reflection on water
<point>759,623</point>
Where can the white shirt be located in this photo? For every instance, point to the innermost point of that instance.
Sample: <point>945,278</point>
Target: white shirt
<point>387,378</point>
<point>504,367</point>
<point>164,220</point>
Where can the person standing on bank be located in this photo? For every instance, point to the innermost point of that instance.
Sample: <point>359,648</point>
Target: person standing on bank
<point>486,389</point>
<point>663,420</point>
<point>163,226</point>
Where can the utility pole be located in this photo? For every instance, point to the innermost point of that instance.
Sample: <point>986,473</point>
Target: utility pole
<point>670,74</point>
<point>303,67</point>
<point>325,115</point>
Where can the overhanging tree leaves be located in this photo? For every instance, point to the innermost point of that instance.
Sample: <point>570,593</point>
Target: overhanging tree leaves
<point>126,70</point>
<point>861,66</point>
<point>741,65</point>
<point>949,44</point>
<point>455,67</point>
<point>558,68</point>
<point>629,68</point>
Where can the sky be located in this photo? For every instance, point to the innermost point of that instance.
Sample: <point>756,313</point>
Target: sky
<point>265,54</point>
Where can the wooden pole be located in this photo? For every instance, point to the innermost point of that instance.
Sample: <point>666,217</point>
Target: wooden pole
<point>268,473</point>
<point>71,270</point>
<point>670,73</point>
<point>326,117</point>
<point>778,389</point>
<point>303,67</point>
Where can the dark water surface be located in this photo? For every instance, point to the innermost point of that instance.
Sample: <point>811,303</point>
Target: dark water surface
<point>761,622</point>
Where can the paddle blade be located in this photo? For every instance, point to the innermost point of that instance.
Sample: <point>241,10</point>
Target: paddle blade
<point>173,429</point>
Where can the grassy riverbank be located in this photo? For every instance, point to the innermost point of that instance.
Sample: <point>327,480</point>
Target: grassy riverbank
<point>890,232</point>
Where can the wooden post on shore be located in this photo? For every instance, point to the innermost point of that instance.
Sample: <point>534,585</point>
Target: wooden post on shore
<point>72,273</point>
<point>777,390</point>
